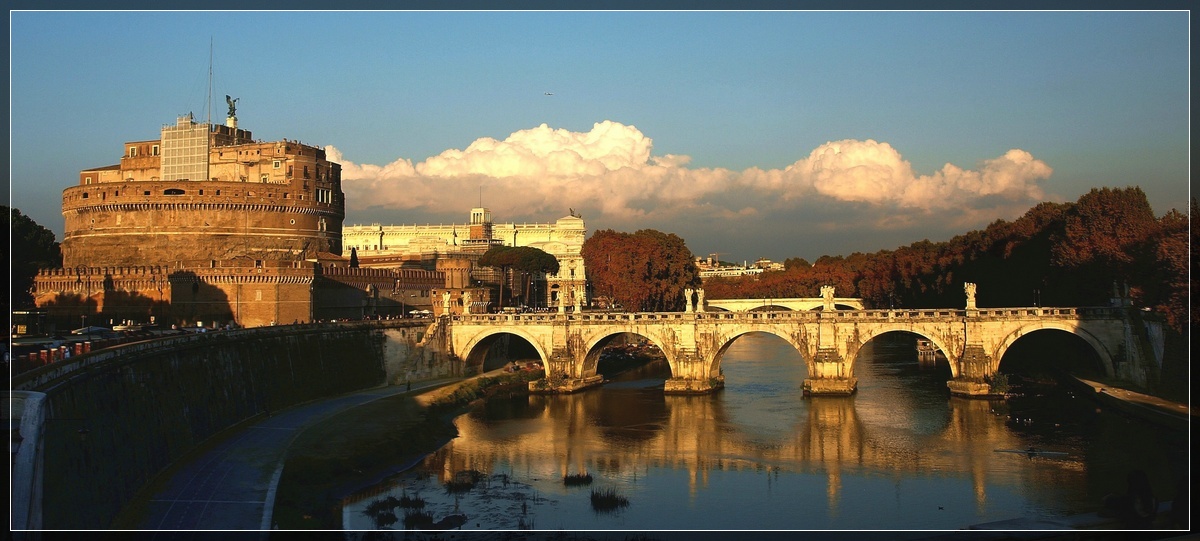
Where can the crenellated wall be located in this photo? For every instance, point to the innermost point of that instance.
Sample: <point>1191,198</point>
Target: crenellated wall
<point>113,419</point>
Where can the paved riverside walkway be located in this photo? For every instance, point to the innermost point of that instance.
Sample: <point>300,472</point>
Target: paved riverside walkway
<point>1151,408</point>
<point>232,485</point>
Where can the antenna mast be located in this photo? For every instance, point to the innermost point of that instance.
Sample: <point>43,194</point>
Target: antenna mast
<point>208,120</point>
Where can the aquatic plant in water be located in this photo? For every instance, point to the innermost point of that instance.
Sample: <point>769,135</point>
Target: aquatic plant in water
<point>608,500</point>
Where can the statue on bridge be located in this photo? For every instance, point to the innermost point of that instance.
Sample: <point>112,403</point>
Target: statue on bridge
<point>445,303</point>
<point>969,288</point>
<point>687,297</point>
<point>700,300</point>
<point>827,295</point>
<point>466,299</point>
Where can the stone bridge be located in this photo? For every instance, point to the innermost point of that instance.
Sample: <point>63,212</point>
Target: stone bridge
<point>806,303</point>
<point>973,341</point>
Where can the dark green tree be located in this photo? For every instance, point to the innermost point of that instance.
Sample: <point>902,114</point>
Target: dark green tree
<point>525,260</point>
<point>530,262</point>
<point>498,257</point>
<point>33,248</point>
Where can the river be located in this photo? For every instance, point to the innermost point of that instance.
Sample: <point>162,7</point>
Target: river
<point>900,454</point>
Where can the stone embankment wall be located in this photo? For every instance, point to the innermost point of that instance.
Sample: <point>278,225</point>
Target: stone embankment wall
<point>114,419</point>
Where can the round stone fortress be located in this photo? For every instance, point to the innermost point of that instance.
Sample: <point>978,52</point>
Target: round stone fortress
<point>205,193</point>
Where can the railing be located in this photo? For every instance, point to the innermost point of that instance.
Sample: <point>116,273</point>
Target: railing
<point>924,314</point>
<point>38,378</point>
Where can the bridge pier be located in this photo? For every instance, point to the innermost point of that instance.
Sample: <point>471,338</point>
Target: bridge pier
<point>828,375</point>
<point>693,374</point>
<point>974,375</point>
<point>562,377</point>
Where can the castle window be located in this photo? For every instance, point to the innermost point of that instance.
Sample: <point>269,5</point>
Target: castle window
<point>147,192</point>
<point>289,173</point>
<point>132,152</point>
<point>263,178</point>
<point>258,263</point>
<point>87,180</point>
<point>85,195</point>
<point>201,191</point>
<point>293,221</point>
<point>212,264</point>
<point>276,164</point>
<point>306,171</point>
<point>173,191</point>
<point>154,150</point>
<point>218,192</point>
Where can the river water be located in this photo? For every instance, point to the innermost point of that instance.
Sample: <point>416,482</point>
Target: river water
<point>900,454</point>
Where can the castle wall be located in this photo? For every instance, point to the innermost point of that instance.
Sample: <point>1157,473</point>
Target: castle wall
<point>193,223</point>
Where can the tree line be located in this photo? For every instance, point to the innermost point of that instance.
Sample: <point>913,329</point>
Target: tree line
<point>1056,254</point>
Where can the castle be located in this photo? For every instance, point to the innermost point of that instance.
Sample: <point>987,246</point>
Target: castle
<point>206,226</point>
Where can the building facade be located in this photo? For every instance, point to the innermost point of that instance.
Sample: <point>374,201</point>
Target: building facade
<point>443,244</point>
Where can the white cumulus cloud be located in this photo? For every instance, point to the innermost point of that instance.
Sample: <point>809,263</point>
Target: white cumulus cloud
<point>610,172</point>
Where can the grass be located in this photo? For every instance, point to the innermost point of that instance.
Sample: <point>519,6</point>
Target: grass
<point>607,500</point>
<point>339,455</point>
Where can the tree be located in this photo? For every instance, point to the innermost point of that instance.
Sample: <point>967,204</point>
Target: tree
<point>33,248</point>
<point>1104,234</point>
<point>530,261</point>
<point>353,258</point>
<point>527,260</point>
<point>498,257</point>
<point>646,270</point>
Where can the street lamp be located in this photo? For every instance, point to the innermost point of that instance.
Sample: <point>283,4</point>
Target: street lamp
<point>79,272</point>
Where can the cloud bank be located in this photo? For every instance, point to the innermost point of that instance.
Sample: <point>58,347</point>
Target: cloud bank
<point>611,174</point>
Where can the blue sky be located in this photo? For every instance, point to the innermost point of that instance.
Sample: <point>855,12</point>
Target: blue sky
<point>753,134</point>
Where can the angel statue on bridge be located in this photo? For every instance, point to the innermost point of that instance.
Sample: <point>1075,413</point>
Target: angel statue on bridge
<point>827,295</point>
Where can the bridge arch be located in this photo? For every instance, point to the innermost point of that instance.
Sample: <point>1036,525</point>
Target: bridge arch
<point>773,308</point>
<point>866,335</point>
<point>1106,357</point>
<point>727,340</point>
<point>596,343</point>
<point>476,347</point>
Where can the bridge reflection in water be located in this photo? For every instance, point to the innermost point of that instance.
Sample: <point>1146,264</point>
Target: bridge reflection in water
<point>905,431</point>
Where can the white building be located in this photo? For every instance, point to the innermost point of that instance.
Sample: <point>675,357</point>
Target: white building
<point>563,239</point>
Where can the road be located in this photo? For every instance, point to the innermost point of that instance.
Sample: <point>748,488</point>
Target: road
<point>232,485</point>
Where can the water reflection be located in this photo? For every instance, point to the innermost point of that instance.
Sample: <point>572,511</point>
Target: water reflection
<point>900,454</point>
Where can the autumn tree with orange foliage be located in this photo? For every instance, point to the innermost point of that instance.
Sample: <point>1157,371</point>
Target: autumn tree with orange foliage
<point>643,271</point>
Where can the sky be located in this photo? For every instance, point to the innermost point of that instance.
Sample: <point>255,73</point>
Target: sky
<point>749,134</point>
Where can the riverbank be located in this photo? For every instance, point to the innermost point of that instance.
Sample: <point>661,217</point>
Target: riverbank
<point>361,447</point>
<point>1157,410</point>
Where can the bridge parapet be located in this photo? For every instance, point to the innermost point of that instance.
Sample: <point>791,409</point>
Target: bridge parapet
<point>924,314</point>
